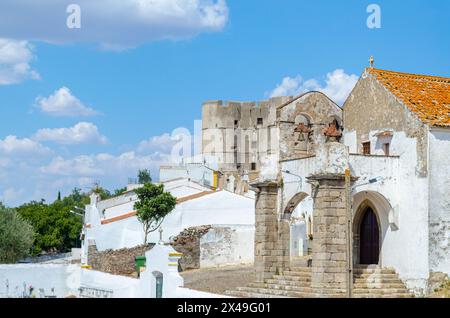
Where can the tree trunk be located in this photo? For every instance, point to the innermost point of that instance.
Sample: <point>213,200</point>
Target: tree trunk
<point>145,234</point>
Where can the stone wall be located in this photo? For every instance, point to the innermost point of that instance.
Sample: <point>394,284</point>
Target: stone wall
<point>188,243</point>
<point>116,262</point>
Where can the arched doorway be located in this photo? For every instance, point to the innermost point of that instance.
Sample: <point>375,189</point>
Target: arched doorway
<point>380,208</point>
<point>369,231</point>
<point>297,218</point>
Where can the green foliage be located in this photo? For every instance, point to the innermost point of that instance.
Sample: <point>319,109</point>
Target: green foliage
<point>56,228</point>
<point>103,193</point>
<point>16,236</point>
<point>153,205</point>
<point>120,191</point>
<point>144,176</point>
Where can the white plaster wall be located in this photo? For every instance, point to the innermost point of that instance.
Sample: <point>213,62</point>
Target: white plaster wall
<point>65,279</point>
<point>116,201</point>
<point>161,259</point>
<point>219,208</point>
<point>121,286</point>
<point>439,168</point>
<point>405,248</point>
<point>117,210</point>
<point>232,245</point>
<point>122,205</point>
<point>293,184</point>
<point>197,172</point>
<point>350,140</point>
<point>173,172</point>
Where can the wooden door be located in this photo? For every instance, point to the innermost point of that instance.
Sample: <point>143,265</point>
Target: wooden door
<point>369,238</point>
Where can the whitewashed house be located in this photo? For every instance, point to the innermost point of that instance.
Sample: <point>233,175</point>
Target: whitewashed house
<point>112,223</point>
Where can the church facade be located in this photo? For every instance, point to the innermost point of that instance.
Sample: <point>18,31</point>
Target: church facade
<point>362,189</point>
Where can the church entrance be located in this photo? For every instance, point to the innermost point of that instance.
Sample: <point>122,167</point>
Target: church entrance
<point>369,238</point>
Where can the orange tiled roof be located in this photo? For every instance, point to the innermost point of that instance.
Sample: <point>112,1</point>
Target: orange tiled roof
<point>426,96</point>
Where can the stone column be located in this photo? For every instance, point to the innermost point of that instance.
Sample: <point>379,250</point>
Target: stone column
<point>266,230</point>
<point>329,249</point>
<point>330,255</point>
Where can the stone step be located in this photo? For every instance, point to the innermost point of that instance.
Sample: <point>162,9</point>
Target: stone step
<point>274,292</point>
<point>276,286</point>
<point>292,278</point>
<point>374,271</point>
<point>383,296</point>
<point>297,274</point>
<point>242,294</point>
<point>377,281</point>
<point>301,269</point>
<point>376,276</point>
<point>282,281</point>
<point>379,285</point>
<point>378,291</point>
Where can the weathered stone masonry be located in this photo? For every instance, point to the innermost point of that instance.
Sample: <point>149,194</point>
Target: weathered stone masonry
<point>267,254</point>
<point>329,252</point>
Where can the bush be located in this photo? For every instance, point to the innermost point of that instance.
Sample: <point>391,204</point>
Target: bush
<point>16,236</point>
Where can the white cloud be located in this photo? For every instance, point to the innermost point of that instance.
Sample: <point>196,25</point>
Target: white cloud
<point>338,86</point>
<point>78,166</point>
<point>44,176</point>
<point>62,103</point>
<point>15,59</point>
<point>81,133</point>
<point>112,23</point>
<point>161,144</point>
<point>13,146</point>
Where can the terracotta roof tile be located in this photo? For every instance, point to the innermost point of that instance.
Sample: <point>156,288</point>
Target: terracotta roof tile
<point>426,96</point>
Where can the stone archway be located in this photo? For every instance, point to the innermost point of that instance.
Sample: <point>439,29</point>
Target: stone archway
<point>298,213</point>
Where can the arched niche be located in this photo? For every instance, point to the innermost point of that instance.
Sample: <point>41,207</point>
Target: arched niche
<point>363,203</point>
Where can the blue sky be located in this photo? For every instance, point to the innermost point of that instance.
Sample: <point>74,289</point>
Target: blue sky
<point>145,78</point>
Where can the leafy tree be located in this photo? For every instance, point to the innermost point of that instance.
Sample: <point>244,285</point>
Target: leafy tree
<point>103,193</point>
<point>57,228</point>
<point>144,176</point>
<point>120,191</point>
<point>152,206</point>
<point>16,236</point>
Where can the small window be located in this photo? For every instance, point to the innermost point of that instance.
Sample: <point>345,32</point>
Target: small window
<point>253,166</point>
<point>386,148</point>
<point>259,121</point>
<point>236,122</point>
<point>366,148</point>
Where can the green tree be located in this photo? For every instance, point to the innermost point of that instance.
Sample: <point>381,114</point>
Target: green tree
<point>103,193</point>
<point>152,206</point>
<point>144,176</point>
<point>120,191</point>
<point>16,236</point>
<point>57,228</point>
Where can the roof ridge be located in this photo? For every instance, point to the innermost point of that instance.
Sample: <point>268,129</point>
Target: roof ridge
<point>296,98</point>
<point>432,77</point>
<point>428,97</point>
